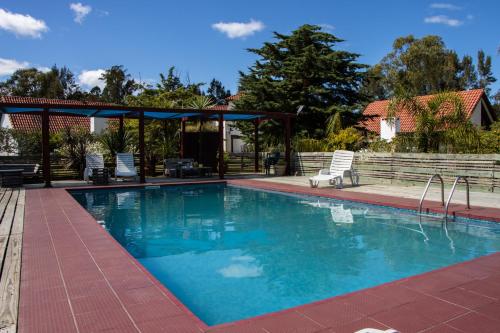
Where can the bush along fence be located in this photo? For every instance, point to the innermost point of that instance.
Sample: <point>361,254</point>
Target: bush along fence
<point>483,171</point>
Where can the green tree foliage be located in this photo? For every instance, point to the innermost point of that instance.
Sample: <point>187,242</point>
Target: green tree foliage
<point>486,77</point>
<point>118,85</point>
<point>218,92</point>
<point>57,83</point>
<point>425,66</point>
<point>162,136</point>
<point>420,66</point>
<point>302,68</point>
<point>346,139</point>
<point>468,79</point>
<point>490,140</point>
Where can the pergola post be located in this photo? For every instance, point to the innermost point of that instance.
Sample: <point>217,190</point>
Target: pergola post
<point>141,148</point>
<point>183,132</point>
<point>46,147</point>
<point>256,145</point>
<point>221,146</point>
<point>288,130</point>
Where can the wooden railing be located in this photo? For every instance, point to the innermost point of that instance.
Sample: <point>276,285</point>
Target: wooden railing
<point>483,171</point>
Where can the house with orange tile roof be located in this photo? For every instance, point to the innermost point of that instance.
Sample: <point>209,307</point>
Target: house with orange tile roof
<point>476,105</point>
<point>31,122</point>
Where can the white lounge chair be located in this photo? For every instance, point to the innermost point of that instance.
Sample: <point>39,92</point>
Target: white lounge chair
<point>92,161</point>
<point>125,166</point>
<point>340,168</point>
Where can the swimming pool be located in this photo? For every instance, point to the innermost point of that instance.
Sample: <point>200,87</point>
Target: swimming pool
<point>230,253</point>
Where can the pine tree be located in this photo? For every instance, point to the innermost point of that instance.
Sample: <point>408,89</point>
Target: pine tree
<point>486,77</point>
<point>302,68</point>
<point>218,92</point>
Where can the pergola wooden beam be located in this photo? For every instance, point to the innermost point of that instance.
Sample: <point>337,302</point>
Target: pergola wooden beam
<point>46,147</point>
<point>221,146</point>
<point>48,109</point>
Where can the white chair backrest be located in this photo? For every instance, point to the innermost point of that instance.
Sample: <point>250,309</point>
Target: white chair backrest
<point>125,162</point>
<point>94,161</point>
<point>341,161</point>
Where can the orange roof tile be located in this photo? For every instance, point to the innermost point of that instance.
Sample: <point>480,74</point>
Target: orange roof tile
<point>48,101</point>
<point>31,122</point>
<point>378,109</point>
<point>220,107</point>
<point>234,97</point>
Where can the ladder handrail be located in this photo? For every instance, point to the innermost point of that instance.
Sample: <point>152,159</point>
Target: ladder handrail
<point>427,188</point>
<point>457,179</point>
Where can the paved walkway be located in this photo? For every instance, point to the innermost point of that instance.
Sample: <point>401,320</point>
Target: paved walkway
<point>77,278</point>
<point>477,198</point>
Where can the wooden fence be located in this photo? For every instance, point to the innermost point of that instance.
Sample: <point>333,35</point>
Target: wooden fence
<point>483,171</point>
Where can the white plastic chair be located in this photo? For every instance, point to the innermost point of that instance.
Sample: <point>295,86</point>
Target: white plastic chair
<point>92,161</point>
<point>125,166</point>
<point>340,168</point>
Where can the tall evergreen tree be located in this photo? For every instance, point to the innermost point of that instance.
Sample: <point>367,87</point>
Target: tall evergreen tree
<point>218,92</point>
<point>469,73</point>
<point>302,68</point>
<point>118,85</point>
<point>171,82</point>
<point>486,77</point>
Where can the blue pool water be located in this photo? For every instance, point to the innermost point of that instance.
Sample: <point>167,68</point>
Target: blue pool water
<point>230,253</point>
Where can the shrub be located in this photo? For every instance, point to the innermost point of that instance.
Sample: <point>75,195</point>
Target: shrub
<point>346,139</point>
<point>75,145</point>
<point>309,145</point>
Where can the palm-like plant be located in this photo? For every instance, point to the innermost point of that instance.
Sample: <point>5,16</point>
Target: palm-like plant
<point>441,120</point>
<point>201,103</point>
<point>116,140</point>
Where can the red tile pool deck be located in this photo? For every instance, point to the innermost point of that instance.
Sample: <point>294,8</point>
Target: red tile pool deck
<point>76,278</point>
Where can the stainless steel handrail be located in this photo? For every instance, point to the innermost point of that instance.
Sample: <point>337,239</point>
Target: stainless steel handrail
<point>453,191</point>
<point>427,188</point>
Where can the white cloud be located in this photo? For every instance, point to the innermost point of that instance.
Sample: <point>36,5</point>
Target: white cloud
<point>239,29</point>
<point>327,27</point>
<point>22,25</point>
<point>80,10</point>
<point>91,78</point>
<point>9,66</point>
<point>443,19</point>
<point>441,5</point>
<point>44,69</point>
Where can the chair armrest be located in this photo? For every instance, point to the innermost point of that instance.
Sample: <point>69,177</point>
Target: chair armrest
<point>324,172</point>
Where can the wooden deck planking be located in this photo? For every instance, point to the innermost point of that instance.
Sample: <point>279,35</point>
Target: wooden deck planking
<point>11,226</point>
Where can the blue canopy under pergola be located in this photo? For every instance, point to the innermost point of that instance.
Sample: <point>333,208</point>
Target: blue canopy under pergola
<point>46,107</point>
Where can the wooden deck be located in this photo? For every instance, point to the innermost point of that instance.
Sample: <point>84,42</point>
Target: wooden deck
<point>11,237</point>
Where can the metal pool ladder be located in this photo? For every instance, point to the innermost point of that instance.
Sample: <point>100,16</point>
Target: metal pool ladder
<point>457,179</point>
<point>427,188</point>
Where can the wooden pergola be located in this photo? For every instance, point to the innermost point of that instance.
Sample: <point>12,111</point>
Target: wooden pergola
<point>47,107</point>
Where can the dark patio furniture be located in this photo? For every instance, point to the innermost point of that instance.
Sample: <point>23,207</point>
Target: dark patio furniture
<point>271,160</point>
<point>100,176</point>
<point>11,177</point>
<point>27,170</point>
<point>170,165</point>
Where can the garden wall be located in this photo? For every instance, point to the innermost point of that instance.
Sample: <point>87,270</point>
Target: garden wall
<point>483,171</point>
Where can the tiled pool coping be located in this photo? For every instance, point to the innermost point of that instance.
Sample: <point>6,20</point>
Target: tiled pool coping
<point>76,278</point>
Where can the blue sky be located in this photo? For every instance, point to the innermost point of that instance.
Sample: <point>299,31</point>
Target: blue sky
<point>202,41</point>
